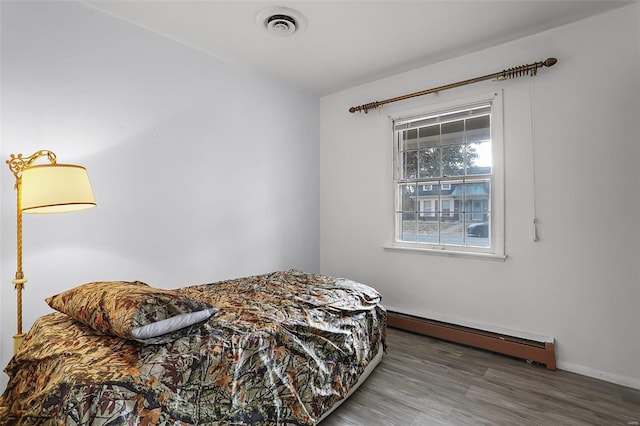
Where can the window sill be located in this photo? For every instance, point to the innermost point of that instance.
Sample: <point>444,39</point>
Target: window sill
<point>442,251</point>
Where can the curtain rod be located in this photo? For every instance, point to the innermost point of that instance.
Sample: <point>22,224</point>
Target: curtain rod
<point>529,69</point>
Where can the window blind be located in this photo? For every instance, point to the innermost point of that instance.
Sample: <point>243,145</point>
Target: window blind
<point>457,127</point>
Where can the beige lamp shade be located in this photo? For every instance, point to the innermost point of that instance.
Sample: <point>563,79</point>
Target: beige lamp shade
<point>56,188</point>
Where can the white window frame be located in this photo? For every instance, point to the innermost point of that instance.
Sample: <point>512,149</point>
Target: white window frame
<point>497,219</point>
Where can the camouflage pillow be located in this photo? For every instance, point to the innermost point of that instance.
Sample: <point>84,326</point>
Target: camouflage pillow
<point>132,310</point>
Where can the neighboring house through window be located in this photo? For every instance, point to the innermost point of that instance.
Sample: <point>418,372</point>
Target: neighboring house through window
<point>448,177</point>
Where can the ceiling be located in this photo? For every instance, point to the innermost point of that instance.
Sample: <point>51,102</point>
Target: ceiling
<point>348,43</point>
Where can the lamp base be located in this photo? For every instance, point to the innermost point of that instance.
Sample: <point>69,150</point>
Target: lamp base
<point>17,341</point>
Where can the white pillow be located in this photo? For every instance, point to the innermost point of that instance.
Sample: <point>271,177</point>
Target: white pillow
<point>171,324</point>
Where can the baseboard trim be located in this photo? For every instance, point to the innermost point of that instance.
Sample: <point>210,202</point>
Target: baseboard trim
<point>600,375</point>
<point>538,351</point>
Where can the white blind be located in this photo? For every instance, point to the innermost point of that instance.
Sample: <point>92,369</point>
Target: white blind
<point>456,127</point>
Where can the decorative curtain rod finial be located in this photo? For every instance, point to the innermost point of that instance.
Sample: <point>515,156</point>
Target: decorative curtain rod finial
<point>366,107</point>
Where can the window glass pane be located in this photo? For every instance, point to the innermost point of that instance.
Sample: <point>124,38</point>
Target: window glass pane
<point>478,233</point>
<point>408,198</point>
<point>478,218</point>
<point>479,160</point>
<point>477,196</point>
<point>452,133</point>
<point>451,228</point>
<point>406,213</point>
<point>410,164</point>
<point>428,229</point>
<point>429,163</point>
<point>453,160</point>
<point>426,209</point>
<point>428,200</point>
<point>478,129</point>
<point>429,136</point>
<point>409,140</point>
<point>407,228</point>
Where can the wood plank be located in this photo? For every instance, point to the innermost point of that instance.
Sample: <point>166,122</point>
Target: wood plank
<point>426,381</point>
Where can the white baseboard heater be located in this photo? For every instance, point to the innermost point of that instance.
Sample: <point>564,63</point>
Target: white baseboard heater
<point>542,351</point>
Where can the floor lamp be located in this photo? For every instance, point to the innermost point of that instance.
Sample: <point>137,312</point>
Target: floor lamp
<point>46,188</point>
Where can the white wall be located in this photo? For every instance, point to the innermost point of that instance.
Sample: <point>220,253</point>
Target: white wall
<point>581,282</point>
<point>202,169</point>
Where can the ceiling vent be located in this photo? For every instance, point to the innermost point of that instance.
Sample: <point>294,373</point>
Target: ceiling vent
<point>281,21</point>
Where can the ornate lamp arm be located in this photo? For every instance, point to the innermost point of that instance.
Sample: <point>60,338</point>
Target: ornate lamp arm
<point>17,163</point>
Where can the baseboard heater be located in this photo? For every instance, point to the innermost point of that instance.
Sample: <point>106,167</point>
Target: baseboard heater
<point>539,351</point>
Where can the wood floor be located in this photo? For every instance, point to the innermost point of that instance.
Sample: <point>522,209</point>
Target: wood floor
<point>424,381</point>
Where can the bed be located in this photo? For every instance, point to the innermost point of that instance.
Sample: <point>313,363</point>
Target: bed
<point>282,348</point>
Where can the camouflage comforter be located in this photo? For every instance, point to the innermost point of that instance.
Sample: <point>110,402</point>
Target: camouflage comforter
<point>282,349</point>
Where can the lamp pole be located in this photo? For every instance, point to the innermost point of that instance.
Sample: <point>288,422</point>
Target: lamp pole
<point>17,164</point>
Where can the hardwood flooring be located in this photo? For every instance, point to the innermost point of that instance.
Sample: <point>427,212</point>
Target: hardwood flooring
<point>425,381</point>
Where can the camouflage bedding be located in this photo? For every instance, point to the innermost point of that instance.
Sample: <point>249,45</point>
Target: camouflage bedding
<point>282,349</point>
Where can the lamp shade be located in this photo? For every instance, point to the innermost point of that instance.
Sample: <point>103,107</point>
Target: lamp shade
<point>56,188</point>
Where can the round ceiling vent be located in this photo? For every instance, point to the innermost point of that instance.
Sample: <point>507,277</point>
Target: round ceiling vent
<point>282,25</point>
<point>281,21</point>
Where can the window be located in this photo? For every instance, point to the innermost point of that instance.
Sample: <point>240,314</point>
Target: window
<point>448,177</point>
<point>427,208</point>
